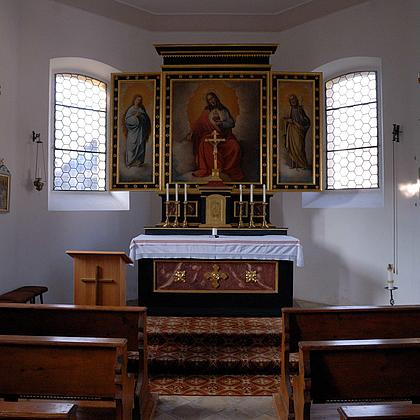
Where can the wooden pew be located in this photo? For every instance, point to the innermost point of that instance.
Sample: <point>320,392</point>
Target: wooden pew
<point>67,367</point>
<point>128,322</point>
<point>380,412</point>
<point>334,323</point>
<point>37,410</point>
<point>356,370</point>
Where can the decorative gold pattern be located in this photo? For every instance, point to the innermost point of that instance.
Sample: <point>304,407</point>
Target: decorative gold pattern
<point>250,275</point>
<point>215,276</point>
<point>180,276</point>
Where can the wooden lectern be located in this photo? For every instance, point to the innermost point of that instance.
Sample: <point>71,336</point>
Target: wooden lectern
<point>99,277</point>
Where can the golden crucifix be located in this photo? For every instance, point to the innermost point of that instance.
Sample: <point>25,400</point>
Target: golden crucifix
<point>215,174</point>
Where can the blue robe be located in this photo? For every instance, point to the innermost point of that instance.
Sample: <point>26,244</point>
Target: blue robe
<point>138,130</point>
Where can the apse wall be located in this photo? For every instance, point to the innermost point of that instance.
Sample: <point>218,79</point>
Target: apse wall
<point>346,250</point>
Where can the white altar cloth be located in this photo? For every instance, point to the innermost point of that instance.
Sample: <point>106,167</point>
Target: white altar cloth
<point>269,247</point>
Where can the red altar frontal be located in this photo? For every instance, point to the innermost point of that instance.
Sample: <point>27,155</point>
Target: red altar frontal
<point>189,275</point>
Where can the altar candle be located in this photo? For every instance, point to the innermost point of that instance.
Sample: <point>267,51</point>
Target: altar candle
<point>214,231</point>
<point>240,192</point>
<point>264,197</point>
<point>251,193</point>
<point>185,192</point>
<point>167,192</point>
<point>176,192</point>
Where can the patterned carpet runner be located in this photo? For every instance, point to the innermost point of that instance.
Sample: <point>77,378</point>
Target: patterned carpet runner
<point>214,356</point>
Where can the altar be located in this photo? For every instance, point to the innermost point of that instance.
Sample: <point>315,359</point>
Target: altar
<point>189,275</point>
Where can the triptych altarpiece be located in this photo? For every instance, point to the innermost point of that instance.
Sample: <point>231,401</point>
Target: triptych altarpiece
<point>269,123</point>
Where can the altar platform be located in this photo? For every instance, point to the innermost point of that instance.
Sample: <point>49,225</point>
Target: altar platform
<point>190,275</point>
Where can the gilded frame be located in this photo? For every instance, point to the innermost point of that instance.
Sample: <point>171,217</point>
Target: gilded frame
<point>245,96</point>
<point>135,138</point>
<point>296,131</point>
<point>4,192</point>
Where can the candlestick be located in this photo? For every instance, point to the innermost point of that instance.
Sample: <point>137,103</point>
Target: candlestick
<point>167,192</point>
<point>264,197</point>
<point>185,192</point>
<point>240,192</point>
<point>251,193</point>
<point>214,232</point>
<point>176,192</point>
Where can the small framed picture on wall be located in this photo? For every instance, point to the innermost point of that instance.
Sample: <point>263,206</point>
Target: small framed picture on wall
<point>4,188</point>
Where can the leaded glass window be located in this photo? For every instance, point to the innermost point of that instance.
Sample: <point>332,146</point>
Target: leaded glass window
<point>79,133</point>
<point>352,131</point>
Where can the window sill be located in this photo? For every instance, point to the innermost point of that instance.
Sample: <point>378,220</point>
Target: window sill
<point>343,199</point>
<point>88,201</point>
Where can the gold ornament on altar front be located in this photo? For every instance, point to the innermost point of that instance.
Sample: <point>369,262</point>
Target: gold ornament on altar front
<point>250,276</point>
<point>179,276</point>
<point>215,276</point>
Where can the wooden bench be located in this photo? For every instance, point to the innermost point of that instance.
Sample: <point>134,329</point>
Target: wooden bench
<point>333,323</point>
<point>380,412</point>
<point>358,370</point>
<point>128,322</point>
<point>24,294</point>
<point>37,410</point>
<point>67,367</point>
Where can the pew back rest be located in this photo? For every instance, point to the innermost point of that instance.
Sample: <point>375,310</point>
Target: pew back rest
<point>348,322</point>
<point>360,369</point>
<point>75,321</point>
<point>63,366</point>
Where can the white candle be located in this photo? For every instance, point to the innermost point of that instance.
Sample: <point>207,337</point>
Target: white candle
<point>264,197</point>
<point>214,231</point>
<point>185,192</point>
<point>240,192</point>
<point>251,193</point>
<point>167,192</point>
<point>390,280</point>
<point>176,192</point>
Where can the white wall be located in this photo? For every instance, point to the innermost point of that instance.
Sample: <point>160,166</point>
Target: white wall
<point>33,240</point>
<point>346,250</point>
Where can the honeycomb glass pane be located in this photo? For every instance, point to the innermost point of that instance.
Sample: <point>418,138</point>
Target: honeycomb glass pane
<point>80,133</point>
<point>352,168</point>
<point>74,174</point>
<point>352,131</point>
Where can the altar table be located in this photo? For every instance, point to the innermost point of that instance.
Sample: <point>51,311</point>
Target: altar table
<point>204,275</point>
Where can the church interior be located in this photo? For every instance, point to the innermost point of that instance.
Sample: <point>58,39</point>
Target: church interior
<point>348,274</point>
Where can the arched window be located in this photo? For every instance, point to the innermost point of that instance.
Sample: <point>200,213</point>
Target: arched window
<point>79,101</point>
<point>80,121</point>
<point>352,154</point>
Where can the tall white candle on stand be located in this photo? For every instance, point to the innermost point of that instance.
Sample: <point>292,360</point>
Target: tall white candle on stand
<point>251,193</point>
<point>390,280</point>
<point>176,192</point>
<point>240,192</point>
<point>167,192</point>
<point>185,192</point>
<point>264,197</point>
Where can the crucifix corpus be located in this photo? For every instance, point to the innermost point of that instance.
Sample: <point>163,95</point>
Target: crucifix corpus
<point>214,140</point>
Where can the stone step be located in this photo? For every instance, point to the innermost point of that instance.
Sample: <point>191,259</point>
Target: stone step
<point>224,385</point>
<point>213,326</point>
<point>206,359</point>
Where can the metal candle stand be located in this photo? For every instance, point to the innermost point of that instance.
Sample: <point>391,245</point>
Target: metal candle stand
<point>264,223</point>
<point>167,222</point>
<point>251,215</point>
<point>185,223</point>
<point>241,223</point>
<point>391,289</point>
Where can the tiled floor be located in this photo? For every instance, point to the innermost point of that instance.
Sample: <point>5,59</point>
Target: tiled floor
<point>212,408</point>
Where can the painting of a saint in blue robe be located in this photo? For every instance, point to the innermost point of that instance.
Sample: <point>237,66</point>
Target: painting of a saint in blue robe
<point>296,130</point>
<point>134,123</point>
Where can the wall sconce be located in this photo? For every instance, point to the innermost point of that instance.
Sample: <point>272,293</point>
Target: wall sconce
<point>39,180</point>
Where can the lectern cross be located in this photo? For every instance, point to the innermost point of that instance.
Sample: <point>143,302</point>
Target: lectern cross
<point>97,282</point>
<point>215,142</point>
